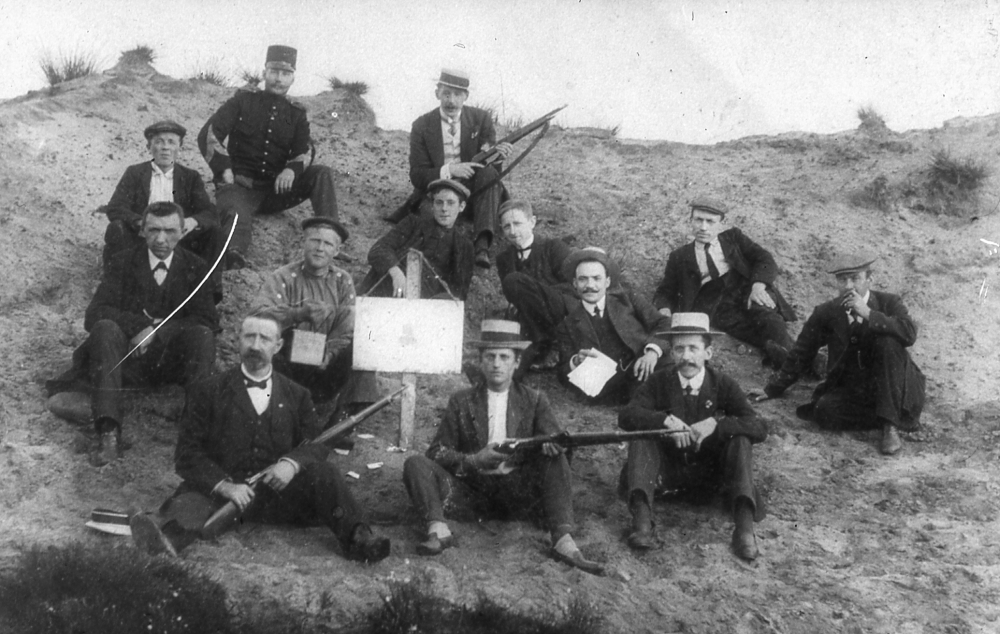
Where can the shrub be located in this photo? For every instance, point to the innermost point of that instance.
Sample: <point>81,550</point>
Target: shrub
<point>67,66</point>
<point>356,88</point>
<point>875,195</point>
<point>211,72</point>
<point>871,120</point>
<point>141,54</point>
<point>250,78</point>
<point>948,173</point>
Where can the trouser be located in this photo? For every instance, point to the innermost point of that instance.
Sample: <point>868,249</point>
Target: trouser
<point>873,395</point>
<point>755,325</point>
<point>540,307</point>
<point>205,243</point>
<point>659,465</point>
<point>337,379</point>
<point>315,183</point>
<point>484,205</point>
<point>620,387</point>
<point>548,481</point>
<point>178,353</point>
<point>317,494</point>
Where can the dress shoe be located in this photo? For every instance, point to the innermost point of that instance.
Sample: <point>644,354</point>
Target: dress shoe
<point>745,545</point>
<point>367,547</point>
<point>577,560</point>
<point>107,448</point>
<point>435,545</point>
<point>890,443</point>
<point>642,538</point>
<point>483,259</point>
<point>148,537</point>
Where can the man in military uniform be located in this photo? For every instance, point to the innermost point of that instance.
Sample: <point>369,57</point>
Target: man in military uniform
<point>265,166</point>
<point>871,381</point>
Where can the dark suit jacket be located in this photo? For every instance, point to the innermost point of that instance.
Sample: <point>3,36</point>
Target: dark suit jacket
<point>131,196</point>
<point>217,429</point>
<point>465,427</point>
<point>427,144</point>
<point>544,263</point>
<point>827,326</point>
<point>748,260</point>
<point>633,318</point>
<point>412,233</point>
<point>719,397</point>
<point>128,281</point>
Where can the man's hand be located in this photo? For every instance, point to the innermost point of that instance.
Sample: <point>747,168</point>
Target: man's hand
<point>283,184</point>
<point>645,365</point>
<point>398,281</point>
<point>463,170</point>
<point>580,356</point>
<point>856,304</point>
<point>312,311</point>
<point>665,312</point>
<point>504,150</point>
<point>702,430</point>
<point>681,440</point>
<point>758,295</point>
<point>773,390</point>
<point>227,176</point>
<point>278,475</point>
<point>486,458</point>
<point>135,341</point>
<point>552,449</point>
<point>239,494</point>
<point>190,224</point>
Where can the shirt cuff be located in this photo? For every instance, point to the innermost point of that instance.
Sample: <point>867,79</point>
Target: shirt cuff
<point>445,172</point>
<point>655,348</point>
<point>294,464</point>
<point>215,489</point>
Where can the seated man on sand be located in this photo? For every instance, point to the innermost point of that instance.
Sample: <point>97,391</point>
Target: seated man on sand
<point>447,269</point>
<point>462,469</point>
<point>717,428</point>
<point>247,420</point>
<point>312,295</point>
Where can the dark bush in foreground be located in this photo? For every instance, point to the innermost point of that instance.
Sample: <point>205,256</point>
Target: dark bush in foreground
<point>965,175</point>
<point>410,609</point>
<point>356,88</point>
<point>141,54</point>
<point>67,66</point>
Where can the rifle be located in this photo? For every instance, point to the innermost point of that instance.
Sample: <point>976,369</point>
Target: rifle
<point>226,516</point>
<point>583,439</point>
<point>488,155</point>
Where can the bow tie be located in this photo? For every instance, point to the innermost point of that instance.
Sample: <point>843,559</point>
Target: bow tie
<point>258,384</point>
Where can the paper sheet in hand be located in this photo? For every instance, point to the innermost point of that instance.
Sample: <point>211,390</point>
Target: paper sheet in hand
<point>591,375</point>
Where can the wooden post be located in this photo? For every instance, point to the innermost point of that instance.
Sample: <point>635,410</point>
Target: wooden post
<point>408,404</point>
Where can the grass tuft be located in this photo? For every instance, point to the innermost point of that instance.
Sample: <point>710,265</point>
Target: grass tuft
<point>875,195</point>
<point>64,67</point>
<point>210,71</point>
<point>356,88</point>
<point>141,54</point>
<point>949,173</point>
<point>871,120</point>
<point>250,78</point>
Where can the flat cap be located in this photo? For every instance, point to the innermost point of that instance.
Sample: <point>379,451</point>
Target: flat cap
<point>166,125</point>
<point>710,205</point>
<point>283,57</point>
<point>446,183</point>
<point>323,221</point>
<point>454,78</point>
<point>852,262</point>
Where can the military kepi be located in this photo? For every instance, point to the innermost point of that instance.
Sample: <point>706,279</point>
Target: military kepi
<point>164,126</point>
<point>853,262</point>
<point>282,57</point>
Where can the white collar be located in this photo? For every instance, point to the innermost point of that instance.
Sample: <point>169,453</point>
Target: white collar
<point>265,378</point>
<point>587,306</point>
<point>695,382</point>
<point>446,118</point>
<point>157,170</point>
<point>153,260</point>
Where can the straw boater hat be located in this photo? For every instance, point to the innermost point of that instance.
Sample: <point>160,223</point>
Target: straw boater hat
<point>282,57</point>
<point>108,521</point>
<point>590,254</point>
<point>500,333</point>
<point>689,324</point>
<point>853,262</point>
<point>323,221</point>
<point>711,205</point>
<point>447,183</point>
<point>164,126</point>
<point>454,78</point>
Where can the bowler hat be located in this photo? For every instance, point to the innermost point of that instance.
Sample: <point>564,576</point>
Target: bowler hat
<point>710,205</point>
<point>282,57</point>
<point>164,126</point>
<point>454,78</point>
<point>852,262</point>
<point>447,183</point>
<point>500,333</point>
<point>323,221</point>
<point>689,324</point>
<point>108,521</point>
<point>590,254</point>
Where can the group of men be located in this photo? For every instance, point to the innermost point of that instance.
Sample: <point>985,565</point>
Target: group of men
<point>153,320</point>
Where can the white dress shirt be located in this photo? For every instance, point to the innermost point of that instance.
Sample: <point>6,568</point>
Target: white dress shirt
<point>718,257</point>
<point>695,382</point>
<point>260,397</point>
<point>161,185</point>
<point>496,405</point>
<point>452,142</point>
<point>160,275</point>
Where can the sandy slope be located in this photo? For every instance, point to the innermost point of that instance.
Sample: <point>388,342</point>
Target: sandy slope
<point>854,542</point>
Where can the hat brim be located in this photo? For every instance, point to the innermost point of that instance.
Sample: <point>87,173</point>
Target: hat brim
<point>322,221</point>
<point>515,345</point>
<point>123,530</point>
<point>673,333</point>
<point>449,84</point>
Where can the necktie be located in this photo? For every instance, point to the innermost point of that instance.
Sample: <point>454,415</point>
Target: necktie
<point>690,403</point>
<point>452,126</point>
<point>713,271</point>
<point>251,383</point>
<point>597,312</point>
<point>160,273</point>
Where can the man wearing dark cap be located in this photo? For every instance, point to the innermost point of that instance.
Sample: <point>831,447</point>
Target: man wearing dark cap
<point>715,428</point>
<point>312,295</point>
<point>265,165</point>
<point>442,144</point>
<point>447,270</point>
<point>609,319</point>
<point>731,278</point>
<point>463,471</point>
<point>871,380</point>
<point>162,179</point>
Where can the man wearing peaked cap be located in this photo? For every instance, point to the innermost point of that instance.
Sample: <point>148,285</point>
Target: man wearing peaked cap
<point>157,180</point>
<point>716,427</point>
<point>871,380</point>
<point>731,278</point>
<point>463,469</point>
<point>442,144</point>
<point>260,152</point>
<point>610,319</point>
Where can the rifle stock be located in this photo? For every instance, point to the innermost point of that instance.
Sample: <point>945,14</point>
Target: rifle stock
<point>224,518</point>
<point>517,135</point>
<point>582,439</point>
